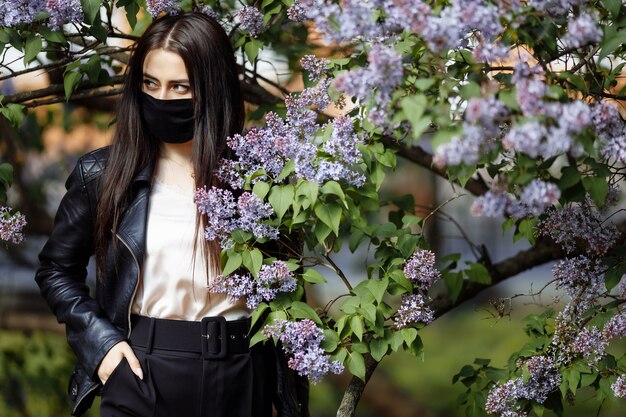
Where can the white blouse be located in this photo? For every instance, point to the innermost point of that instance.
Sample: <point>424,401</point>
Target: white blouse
<point>171,286</point>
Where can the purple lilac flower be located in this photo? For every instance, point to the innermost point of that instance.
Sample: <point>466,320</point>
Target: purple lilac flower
<point>502,399</point>
<point>591,344</point>
<point>444,31</point>
<point>251,19</point>
<point>296,12</point>
<point>413,309</point>
<point>544,379</point>
<point>409,15</point>
<point>156,7</point>
<point>607,120</point>
<point>490,51</point>
<point>582,31</point>
<point>235,285</point>
<point>621,289</point>
<point>11,225</point>
<point>525,138</point>
<point>539,195</point>
<point>615,148</point>
<point>272,279</point>
<point>463,149</point>
<point>316,96</point>
<point>343,141</point>
<point>16,12</point>
<point>491,204</point>
<point>208,10</point>
<point>316,67</point>
<point>376,82</point>
<point>63,11</point>
<point>420,269</point>
<point>301,342</point>
<point>486,112</point>
<point>619,387</point>
<point>531,88</point>
<point>615,327</point>
<point>580,276</point>
<point>555,7</point>
<point>575,116</point>
<point>224,215</point>
<point>578,226</point>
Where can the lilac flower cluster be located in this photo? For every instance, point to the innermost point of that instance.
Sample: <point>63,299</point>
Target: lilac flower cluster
<point>413,309</point>
<point>609,127</point>
<point>481,126</point>
<point>301,342</point>
<point>619,387</point>
<point>272,279</point>
<point>555,7</point>
<point>544,379</point>
<point>591,344</point>
<point>63,11</point>
<point>580,277</point>
<point>374,83</point>
<point>579,227</point>
<point>251,19</point>
<point>156,7</point>
<point>420,269</point>
<point>16,12</point>
<point>534,199</point>
<point>265,151</point>
<point>615,327</point>
<point>582,31</point>
<point>224,215</point>
<point>316,67</point>
<point>11,225</point>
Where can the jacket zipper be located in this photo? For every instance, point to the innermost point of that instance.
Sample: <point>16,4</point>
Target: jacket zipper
<point>79,400</point>
<point>136,283</point>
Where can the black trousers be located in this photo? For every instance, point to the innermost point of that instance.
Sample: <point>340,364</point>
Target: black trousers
<point>178,383</point>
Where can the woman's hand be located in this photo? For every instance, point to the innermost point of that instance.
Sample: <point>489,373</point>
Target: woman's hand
<point>113,358</point>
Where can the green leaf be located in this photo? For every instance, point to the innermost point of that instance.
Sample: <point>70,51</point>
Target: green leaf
<point>526,229</point>
<point>355,239</point>
<point>333,187</point>
<point>233,262</point>
<point>14,113</point>
<point>597,187</point>
<point>569,177</point>
<point>356,365</point>
<point>330,341</point>
<point>409,335</point>
<point>470,90</point>
<point>257,313</point>
<point>261,189</point>
<point>414,107</point>
<point>357,326</point>
<point>378,349</point>
<point>70,81</point>
<point>281,198</point>
<point>321,232</point>
<point>92,68</point>
<point>308,189</point>
<point>330,215</point>
<point>91,8</point>
<point>313,277</point>
<point>253,260</point>
<point>32,48</point>
<point>289,167</point>
<point>378,287</point>
<point>302,310</point>
<point>613,6</point>
<point>252,48</point>
<point>454,283</point>
<point>369,313</point>
<point>478,273</point>
<point>6,173</point>
<point>54,36</point>
<point>611,43</point>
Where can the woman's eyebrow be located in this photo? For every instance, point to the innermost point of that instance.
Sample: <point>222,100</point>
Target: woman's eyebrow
<point>181,81</point>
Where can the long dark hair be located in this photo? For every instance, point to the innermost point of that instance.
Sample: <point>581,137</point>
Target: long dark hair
<point>205,49</point>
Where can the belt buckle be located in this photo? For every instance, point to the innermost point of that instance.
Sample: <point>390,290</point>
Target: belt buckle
<point>222,337</point>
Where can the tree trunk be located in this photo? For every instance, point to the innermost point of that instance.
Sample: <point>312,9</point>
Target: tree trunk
<point>355,388</point>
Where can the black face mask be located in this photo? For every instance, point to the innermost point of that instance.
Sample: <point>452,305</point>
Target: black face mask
<point>169,121</point>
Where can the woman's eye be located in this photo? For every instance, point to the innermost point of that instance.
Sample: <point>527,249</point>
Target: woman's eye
<point>181,88</point>
<point>149,84</point>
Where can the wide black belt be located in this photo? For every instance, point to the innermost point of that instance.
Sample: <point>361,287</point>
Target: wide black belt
<point>213,337</point>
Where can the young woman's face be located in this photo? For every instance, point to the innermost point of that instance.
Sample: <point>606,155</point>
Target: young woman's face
<point>165,76</point>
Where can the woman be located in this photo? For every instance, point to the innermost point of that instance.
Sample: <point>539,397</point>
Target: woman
<point>154,341</point>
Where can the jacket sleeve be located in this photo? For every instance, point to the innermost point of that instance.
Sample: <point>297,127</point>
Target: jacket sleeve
<point>62,273</point>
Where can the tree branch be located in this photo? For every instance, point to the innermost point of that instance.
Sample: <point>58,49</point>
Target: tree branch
<point>423,158</point>
<point>355,388</point>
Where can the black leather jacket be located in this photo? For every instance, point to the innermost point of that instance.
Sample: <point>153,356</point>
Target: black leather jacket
<point>95,325</point>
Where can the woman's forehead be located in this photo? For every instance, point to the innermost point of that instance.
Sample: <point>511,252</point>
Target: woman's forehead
<point>164,65</point>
